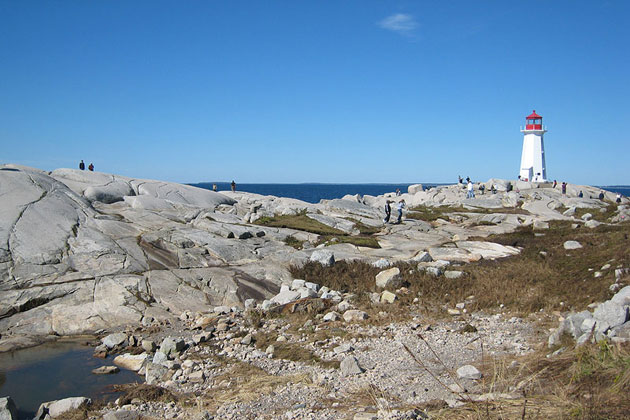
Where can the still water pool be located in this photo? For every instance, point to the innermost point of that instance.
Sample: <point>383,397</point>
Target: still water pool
<point>53,371</point>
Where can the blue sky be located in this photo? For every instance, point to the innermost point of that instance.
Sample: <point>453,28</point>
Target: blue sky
<point>319,91</point>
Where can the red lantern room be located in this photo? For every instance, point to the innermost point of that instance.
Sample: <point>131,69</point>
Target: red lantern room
<point>534,122</point>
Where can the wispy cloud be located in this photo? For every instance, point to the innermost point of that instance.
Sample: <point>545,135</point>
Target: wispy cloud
<point>400,23</point>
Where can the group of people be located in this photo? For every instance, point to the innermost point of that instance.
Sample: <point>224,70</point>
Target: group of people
<point>82,166</point>
<point>388,210</point>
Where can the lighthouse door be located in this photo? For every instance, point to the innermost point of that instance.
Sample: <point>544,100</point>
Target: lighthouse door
<point>530,174</point>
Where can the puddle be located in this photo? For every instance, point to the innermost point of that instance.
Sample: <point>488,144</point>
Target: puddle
<point>53,371</point>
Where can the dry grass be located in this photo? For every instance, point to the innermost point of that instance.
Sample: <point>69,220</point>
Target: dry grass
<point>299,222</point>
<point>523,284</point>
<point>243,382</point>
<point>430,214</point>
<point>289,350</point>
<point>145,392</point>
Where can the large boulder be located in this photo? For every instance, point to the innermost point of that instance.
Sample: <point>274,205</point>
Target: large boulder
<point>8,411</point>
<point>57,409</point>
<point>389,279</point>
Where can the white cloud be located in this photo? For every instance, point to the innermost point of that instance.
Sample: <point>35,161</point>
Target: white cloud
<point>401,23</point>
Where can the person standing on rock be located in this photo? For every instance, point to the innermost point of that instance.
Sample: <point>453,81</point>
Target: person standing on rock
<point>564,187</point>
<point>470,193</point>
<point>581,194</point>
<point>618,199</point>
<point>555,183</point>
<point>388,211</point>
<point>82,165</point>
<point>233,185</point>
<point>214,187</point>
<point>401,206</point>
<point>91,167</point>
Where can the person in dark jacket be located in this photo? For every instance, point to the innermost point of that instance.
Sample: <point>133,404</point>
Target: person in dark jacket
<point>388,211</point>
<point>91,167</point>
<point>82,165</point>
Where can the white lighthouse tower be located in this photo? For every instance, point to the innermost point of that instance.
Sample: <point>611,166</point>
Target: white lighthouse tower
<point>533,167</point>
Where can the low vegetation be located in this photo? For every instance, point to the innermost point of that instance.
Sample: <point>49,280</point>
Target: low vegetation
<point>430,213</point>
<point>543,276</point>
<point>328,235</point>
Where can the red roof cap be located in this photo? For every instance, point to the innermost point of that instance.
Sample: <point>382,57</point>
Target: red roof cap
<point>534,115</point>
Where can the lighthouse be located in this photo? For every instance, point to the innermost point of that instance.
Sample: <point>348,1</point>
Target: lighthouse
<point>533,167</point>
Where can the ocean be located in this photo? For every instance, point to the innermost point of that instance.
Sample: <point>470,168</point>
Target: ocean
<point>313,193</point>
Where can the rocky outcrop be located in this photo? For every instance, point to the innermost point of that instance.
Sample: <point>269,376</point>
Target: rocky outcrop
<point>82,251</point>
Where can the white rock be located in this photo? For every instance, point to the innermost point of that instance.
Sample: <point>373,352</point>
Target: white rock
<point>324,257</point>
<point>389,279</point>
<point>468,372</point>
<point>131,361</point>
<point>354,315</point>
<point>572,245</point>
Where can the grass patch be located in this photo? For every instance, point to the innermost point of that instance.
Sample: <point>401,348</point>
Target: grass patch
<point>363,228</point>
<point>328,234</point>
<point>357,240</point>
<point>145,393</point>
<point>292,241</point>
<point>598,215</point>
<point>430,214</point>
<point>288,350</point>
<point>243,382</point>
<point>298,222</point>
<point>525,283</point>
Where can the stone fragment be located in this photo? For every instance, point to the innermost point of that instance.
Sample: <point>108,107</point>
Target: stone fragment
<point>592,224</point>
<point>350,366</point>
<point>468,372</point>
<point>344,348</point>
<point>453,274</point>
<point>114,340</point>
<point>154,373</point>
<point>286,296</point>
<point>297,284</point>
<point>105,370</point>
<point>57,408</point>
<point>422,256</point>
<point>388,297</point>
<point>540,225</point>
<point>8,410</point>
<point>331,316</point>
<point>389,279</point>
<point>572,245</point>
<point>131,361</point>
<point>148,345</point>
<point>197,377</point>
<point>324,257</point>
<point>122,415</point>
<point>354,315</point>
<point>170,346</point>
<point>382,263</point>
